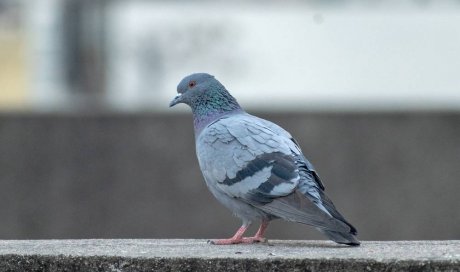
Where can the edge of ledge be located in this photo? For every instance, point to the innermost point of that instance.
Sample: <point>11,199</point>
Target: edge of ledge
<point>197,255</point>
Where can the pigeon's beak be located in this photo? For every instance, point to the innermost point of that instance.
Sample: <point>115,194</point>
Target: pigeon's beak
<point>176,100</point>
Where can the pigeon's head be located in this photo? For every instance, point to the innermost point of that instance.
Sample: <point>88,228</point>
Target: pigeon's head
<point>194,86</point>
<point>202,91</point>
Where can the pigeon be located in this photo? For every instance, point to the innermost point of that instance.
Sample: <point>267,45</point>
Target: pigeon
<point>254,167</point>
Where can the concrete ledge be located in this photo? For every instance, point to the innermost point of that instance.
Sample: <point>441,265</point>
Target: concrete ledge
<point>197,255</point>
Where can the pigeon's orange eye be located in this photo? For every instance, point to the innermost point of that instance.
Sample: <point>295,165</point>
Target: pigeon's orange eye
<point>192,84</point>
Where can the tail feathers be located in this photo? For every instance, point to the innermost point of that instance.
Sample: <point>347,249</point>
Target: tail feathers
<point>298,208</point>
<point>327,203</point>
<point>347,238</point>
<point>341,237</point>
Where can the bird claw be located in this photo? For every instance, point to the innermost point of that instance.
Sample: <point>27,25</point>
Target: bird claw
<point>243,240</point>
<point>230,241</point>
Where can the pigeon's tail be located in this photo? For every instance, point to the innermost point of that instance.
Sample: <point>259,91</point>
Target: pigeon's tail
<point>341,237</point>
<point>347,238</point>
<point>298,208</point>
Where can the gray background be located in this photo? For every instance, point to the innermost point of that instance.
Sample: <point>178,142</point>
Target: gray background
<point>89,149</point>
<point>113,175</point>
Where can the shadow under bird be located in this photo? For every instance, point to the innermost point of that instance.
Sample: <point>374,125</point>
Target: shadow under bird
<point>254,167</point>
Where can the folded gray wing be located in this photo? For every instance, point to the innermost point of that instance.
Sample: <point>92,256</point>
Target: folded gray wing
<point>262,167</point>
<point>254,160</point>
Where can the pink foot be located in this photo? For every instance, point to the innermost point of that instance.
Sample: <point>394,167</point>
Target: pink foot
<point>243,240</point>
<point>239,239</point>
<point>230,241</point>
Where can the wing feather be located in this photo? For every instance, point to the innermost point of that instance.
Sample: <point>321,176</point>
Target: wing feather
<point>259,163</point>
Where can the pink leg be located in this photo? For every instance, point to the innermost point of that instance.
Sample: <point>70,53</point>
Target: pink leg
<point>259,237</point>
<point>236,239</point>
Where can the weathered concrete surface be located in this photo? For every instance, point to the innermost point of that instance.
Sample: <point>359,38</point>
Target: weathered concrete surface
<point>197,255</point>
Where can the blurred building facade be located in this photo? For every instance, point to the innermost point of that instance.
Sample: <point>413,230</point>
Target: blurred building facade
<point>300,55</point>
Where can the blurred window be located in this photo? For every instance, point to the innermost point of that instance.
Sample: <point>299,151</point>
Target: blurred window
<point>12,57</point>
<point>294,55</point>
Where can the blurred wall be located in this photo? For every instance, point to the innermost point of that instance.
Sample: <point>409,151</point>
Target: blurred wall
<point>112,175</point>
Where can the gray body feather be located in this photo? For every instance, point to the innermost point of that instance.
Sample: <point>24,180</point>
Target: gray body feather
<point>256,169</point>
